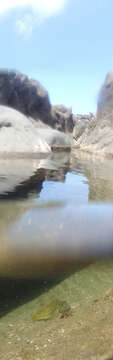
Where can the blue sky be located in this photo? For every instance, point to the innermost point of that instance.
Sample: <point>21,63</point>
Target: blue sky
<point>66,44</point>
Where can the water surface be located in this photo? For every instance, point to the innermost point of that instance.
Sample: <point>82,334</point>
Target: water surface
<point>56,217</point>
<point>58,205</point>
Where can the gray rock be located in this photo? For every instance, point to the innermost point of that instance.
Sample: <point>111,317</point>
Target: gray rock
<point>30,98</point>
<point>22,136</point>
<point>81,123</point>
<point>62,118</point>
<point>96,135</point>
<point>98,139</point>
<point>24,94</point>
<point>55,139</point>
<point>19,136</point>
<point>105,101</point>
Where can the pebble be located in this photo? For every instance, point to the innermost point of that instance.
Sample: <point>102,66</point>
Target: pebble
<point>18,339</point>
<point>49,340</point>
<point>10,325</point>
<point>36,347</point>
<point>29,341</point>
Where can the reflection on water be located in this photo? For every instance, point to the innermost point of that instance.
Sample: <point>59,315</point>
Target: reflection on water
<point>56,216</point>
<point>79,176</point>
<point>47,218</point>
<point>98,172</point>
<point>73,189</point>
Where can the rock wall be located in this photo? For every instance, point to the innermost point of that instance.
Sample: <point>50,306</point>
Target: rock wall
<point>81,123</point>
<point>95,133</point>
<point>105,101</point>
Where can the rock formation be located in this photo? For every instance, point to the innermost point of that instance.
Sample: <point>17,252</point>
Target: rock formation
<point>95,133</point>
<point>92,133</point>
<point>55,139</point>
<point>105,100</point>
<point>20,136</point>
<point>23,94</point>
<point>30,98</point>
<point>81,123</point>
<point>62,118</point>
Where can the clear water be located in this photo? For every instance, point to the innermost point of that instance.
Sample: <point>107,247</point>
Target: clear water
<point>73,189</point>
<point>61,205</point>
<point>56,215</point>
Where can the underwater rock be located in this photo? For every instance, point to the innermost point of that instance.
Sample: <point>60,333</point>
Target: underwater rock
<point>48,311</point>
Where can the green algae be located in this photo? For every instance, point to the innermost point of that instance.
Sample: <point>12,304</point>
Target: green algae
<point>48,311</point>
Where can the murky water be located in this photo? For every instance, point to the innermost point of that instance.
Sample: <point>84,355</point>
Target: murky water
<point>56,216</point>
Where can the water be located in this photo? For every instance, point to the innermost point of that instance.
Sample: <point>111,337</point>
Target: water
<point>55,219</point>
<point>54,211</point>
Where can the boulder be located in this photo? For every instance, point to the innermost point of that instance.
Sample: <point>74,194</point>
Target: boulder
<point>24,137</point>
<point>58,141</point>
<point>30,98</point>
<point>24,94</point>
<point>62,118</point>
<point>18,135</point>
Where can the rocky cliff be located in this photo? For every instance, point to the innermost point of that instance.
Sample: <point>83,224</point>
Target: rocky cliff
<point>94,133</point>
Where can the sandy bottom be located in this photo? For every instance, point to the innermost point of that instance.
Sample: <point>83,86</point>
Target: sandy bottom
<point>87,331</point>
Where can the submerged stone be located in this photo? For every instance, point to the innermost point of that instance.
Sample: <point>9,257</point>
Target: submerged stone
<point>48,311</point>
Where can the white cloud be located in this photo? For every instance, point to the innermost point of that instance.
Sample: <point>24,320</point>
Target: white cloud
<point>25,25</point>
<point>44,7</point>
<point>39,10</point>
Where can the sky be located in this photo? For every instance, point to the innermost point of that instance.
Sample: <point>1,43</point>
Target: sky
<point>65,44</point>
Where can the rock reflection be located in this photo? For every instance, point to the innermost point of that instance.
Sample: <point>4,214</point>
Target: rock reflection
<point>22,177</point>
<point>98,172</point>
<point>22,180</point>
